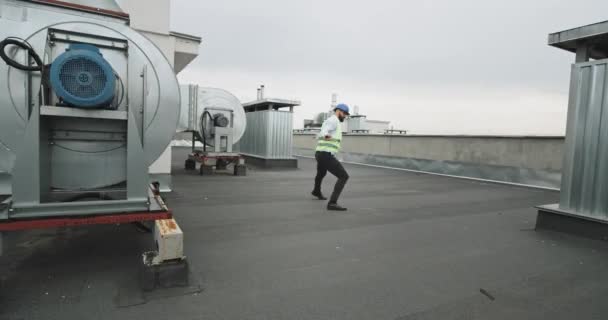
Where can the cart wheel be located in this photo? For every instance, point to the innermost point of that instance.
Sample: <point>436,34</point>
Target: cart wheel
<point>190,164</point>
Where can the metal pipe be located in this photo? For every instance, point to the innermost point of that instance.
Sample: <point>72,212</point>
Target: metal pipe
<point>193,140</point>
<point>262,92</point>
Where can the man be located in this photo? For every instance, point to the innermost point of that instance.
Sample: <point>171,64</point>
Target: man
<point>328,145</point>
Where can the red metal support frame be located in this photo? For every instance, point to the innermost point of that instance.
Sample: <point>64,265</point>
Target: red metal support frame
<point>203,158</point>
<point>83,221</point>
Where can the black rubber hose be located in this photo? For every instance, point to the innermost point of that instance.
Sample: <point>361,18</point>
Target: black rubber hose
<point>122,91</point>
<point>25,46</point>
<point>203,128</point>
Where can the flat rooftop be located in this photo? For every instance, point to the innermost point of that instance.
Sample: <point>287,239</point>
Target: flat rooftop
<point>412,246</point>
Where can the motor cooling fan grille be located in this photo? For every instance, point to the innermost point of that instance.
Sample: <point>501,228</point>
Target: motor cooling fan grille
<point>83,78</point>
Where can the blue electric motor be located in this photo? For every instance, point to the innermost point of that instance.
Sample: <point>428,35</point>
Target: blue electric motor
<point>82,78</point>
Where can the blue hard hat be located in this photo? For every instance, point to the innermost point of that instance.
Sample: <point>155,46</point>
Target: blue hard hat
<point>343,107</point>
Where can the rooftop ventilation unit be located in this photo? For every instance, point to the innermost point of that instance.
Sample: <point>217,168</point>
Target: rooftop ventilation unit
<point>87,104</point>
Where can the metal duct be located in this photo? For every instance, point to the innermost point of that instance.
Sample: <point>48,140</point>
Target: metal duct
<point>196,100</point>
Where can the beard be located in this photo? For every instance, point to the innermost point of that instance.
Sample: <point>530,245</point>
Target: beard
<point>341,118</point>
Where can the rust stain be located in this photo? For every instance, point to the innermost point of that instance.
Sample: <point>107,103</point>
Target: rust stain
<point>171,224</point>
<point>167,226</point>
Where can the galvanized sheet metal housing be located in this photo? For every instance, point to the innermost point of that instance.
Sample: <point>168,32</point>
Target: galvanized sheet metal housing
<point>585,171</point>
<point>584,186</point>
<point>269,134</point>
<point>196,100</point>
<point>152,93</point>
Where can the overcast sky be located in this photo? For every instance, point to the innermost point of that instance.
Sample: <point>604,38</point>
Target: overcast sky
<point>433,66</point>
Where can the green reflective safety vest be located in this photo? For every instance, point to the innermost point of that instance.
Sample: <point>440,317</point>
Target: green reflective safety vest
<point>332,145</point>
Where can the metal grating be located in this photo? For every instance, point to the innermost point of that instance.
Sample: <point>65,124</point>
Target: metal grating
<point>83,78</point>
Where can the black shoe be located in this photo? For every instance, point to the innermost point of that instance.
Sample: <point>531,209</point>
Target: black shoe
<point>319,195</point>
<point>335,207</point>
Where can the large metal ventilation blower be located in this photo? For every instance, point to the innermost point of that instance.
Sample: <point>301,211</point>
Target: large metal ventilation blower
<point>217,119</point>
<point>86,105</point>
<point>215,116</point>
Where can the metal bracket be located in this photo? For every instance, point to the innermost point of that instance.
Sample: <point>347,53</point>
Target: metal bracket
<point>219,109</point>
<point>81,135</point>
<point>65,209</point>
<point>83,113</point>
<point>57,35</point>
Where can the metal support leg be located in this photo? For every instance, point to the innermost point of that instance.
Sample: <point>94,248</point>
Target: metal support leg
<point>582,53</point>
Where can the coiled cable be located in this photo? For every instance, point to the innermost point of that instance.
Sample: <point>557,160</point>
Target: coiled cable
<point>23,44</point>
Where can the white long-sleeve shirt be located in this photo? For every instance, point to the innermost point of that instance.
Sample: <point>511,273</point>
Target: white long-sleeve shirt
<point>329,127</point>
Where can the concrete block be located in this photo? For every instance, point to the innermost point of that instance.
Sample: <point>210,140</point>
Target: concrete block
<point>169,274</point>
<point>578,226</point>
<point>169,240</point>
<point>173,274</point>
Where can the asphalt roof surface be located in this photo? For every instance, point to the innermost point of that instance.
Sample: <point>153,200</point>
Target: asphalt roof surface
<point>411,246</point>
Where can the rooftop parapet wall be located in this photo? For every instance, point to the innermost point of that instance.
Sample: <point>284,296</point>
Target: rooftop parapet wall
<point>533,161</point>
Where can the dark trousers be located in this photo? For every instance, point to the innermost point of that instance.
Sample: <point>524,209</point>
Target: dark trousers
<point>327,162</point>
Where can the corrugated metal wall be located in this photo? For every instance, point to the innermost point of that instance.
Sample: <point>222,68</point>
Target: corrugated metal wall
<point>268,135</point>
<point>280,135</point>
<point>255,141</point>
<point>585,166</point>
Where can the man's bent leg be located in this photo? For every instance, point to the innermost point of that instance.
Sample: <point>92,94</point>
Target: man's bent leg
<point>336,168</point>
<point>321,172</point>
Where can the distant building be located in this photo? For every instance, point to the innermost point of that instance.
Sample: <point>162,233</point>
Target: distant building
<point>356,123</point>
<point>378,126</point>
